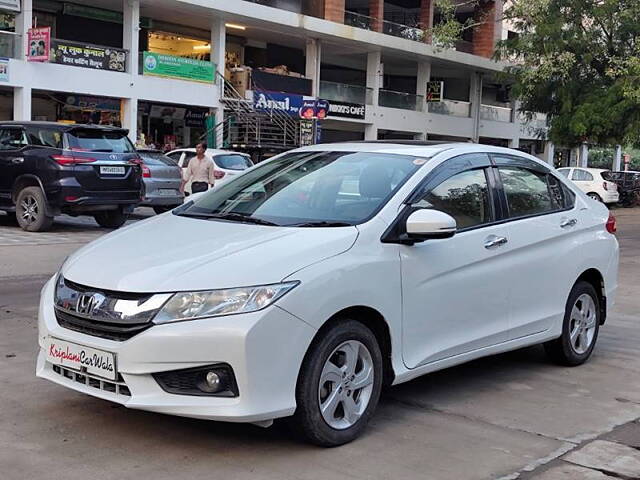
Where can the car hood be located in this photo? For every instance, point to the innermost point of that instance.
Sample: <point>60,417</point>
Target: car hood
<point>171,253</point>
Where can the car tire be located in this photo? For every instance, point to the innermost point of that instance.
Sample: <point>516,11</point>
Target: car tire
<point>111,218</point>
<point>595,196</point>
<point>580,327</point>
<point>327,380</point>
<point>32,210</point>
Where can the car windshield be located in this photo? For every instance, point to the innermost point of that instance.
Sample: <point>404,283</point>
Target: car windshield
<point>309,189</point>
<point>97,140</point>
<point>232,162</point>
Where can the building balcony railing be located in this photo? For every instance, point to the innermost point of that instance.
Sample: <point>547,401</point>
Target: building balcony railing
<point>495,113</point>
<point>10,44</point>
<point>390,28</point>
<point>405,101</point>
<point>533,119</point>
<point>342,92</point>
<point>454,108</point>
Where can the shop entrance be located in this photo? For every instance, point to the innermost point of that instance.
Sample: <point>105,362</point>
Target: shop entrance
<point>166,127</point>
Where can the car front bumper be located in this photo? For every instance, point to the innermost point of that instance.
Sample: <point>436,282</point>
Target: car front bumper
<point>265,350</point>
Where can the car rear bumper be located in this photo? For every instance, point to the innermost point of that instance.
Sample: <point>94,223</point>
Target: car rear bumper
<point>251,344</point>
<point>611,197</point>
<point>162,200</point>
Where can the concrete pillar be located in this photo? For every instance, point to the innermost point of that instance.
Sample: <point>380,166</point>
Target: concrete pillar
<point>475,98</point>
<point>218,44</point>
<point>24,21</point>
<point>371,132</point>
<point>131,33</point>
<point>375,75</point>
<point>617,159</point>
<point>426,17</point>
<point>313,59</point>
<point>334,10</point>
<point>22,103</point>
<point>376,12</point>
<point>514,142</point>
<point>583,157</point>
<point>549,151</point>
<point>129,117</point>
<point>424,74</point>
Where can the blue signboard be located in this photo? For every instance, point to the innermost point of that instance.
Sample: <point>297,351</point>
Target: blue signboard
<point>288,103</point>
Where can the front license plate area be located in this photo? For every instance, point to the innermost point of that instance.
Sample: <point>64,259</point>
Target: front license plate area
<point>81,358</point>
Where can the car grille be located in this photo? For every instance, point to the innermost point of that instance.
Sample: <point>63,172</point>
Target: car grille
<point>111,331</point>
<point>118,387</point>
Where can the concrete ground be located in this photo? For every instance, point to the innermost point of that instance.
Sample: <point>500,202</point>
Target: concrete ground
<point>507,416</point>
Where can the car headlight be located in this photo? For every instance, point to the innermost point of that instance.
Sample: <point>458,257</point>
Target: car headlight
<point>214,303</point>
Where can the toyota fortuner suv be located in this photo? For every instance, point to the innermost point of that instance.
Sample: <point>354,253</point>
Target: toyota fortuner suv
<point>48,169</point>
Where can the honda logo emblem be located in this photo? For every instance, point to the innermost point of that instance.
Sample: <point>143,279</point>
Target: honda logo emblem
<point>87,303</point>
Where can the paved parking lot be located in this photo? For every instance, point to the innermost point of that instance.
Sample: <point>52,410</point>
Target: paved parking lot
<point>506,416</point>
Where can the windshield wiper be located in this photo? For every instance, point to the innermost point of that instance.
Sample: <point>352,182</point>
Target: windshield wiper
<point>242,217</point>
<point>320,223</point>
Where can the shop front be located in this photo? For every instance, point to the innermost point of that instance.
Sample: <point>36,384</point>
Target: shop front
<point>74,108</point>
<point>167,127</point>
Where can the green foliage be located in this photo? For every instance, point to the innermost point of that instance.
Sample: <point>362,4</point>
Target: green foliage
<point>578,61</point>
<point>449,30</point>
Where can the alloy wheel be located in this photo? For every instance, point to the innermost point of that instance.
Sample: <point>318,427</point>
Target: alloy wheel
<point>30,210</point>
<point>582,325</point>
<point>346,384</point>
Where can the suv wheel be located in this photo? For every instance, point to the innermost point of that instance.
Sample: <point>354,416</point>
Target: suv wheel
<point>111,218</point>
<point>579,329</point>
<point>339,385</point>
<point>31,210</point>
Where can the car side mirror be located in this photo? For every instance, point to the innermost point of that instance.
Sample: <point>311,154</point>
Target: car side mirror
<point>425,224</point>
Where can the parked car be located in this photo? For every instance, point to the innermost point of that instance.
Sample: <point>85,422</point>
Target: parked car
<point>161,178</point>
<point>47,169</point>
<point>628,183</point>
<point>322,274</point>
<point>593,182</point>
<point>227,163</point>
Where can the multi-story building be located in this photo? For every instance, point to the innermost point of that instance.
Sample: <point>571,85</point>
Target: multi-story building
<point>174,70</point>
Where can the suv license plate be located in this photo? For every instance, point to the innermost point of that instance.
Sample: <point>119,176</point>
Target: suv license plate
<point>112,170</point>
<point>81,358</point>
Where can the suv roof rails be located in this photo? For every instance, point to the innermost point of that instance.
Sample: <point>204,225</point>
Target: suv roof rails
<point>409,142</point>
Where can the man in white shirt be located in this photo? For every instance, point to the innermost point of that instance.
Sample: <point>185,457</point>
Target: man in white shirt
<point>200,170</point>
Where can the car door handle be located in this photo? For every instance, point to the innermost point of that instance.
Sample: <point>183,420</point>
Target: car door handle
<point>568,222</point>
<point>493,241</point>
<point>17,160</point>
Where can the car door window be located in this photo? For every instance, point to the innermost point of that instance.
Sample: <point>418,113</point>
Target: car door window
<point>531,193</point>
<point>564,172</point>
<point>465,196</point>
<point>582,176</point>
<point>44,137</point>
<point>12,139</point>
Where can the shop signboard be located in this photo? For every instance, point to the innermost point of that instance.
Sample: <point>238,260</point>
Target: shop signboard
<point>314,109</point>
<point>88,56</point>
<point>38,44</point>
<point>178,67</point>
<point>4,69</point>
<point>93,103</point>
<point>306,132</point>
<point>435,91</point>
<point>195,118</point>
<point>288,103</point>
<point>346,110</point>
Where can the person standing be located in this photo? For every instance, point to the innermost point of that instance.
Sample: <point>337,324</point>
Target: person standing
<point>200,171</point>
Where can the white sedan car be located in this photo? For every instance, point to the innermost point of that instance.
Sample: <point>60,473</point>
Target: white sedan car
<point>325,273</point>
<point>592,181</point>
<point>227,163</point>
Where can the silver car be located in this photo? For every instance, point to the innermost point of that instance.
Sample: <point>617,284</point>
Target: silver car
<point>162,178</point>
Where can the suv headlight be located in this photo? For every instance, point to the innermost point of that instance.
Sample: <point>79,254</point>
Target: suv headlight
<point>215,303</point>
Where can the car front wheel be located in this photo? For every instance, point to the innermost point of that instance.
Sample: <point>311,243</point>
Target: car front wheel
<point>339,385</point>
<point>580,327</point>
<point>31,210</point>
<point>111,218</point>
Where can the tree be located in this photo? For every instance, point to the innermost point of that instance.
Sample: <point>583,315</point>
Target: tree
<point>578,61</point>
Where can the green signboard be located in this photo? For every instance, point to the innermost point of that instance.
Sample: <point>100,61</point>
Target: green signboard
<point>178,67</point>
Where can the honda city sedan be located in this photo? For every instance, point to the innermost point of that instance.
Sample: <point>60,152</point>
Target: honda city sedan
<point>302,287</point>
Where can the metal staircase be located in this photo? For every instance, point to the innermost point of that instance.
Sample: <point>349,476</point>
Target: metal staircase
<point>244,127</point>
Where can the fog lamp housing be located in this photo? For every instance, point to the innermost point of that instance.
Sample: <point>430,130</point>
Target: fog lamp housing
<point>215,380</point>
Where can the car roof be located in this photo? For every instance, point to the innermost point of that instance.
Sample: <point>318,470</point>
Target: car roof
<point>211,151</point>
<point>61,126</point>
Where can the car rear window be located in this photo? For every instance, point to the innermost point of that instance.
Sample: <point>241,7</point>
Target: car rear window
<point>95,140</point>
<point>157,158</point>
<point>233,162</point>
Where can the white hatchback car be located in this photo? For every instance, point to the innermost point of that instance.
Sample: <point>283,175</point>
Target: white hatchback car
<point>592,182</point>
<point>315,278</point>
<point>228,164</point>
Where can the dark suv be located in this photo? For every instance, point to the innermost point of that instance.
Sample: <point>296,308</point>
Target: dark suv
<point>47,169</point>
